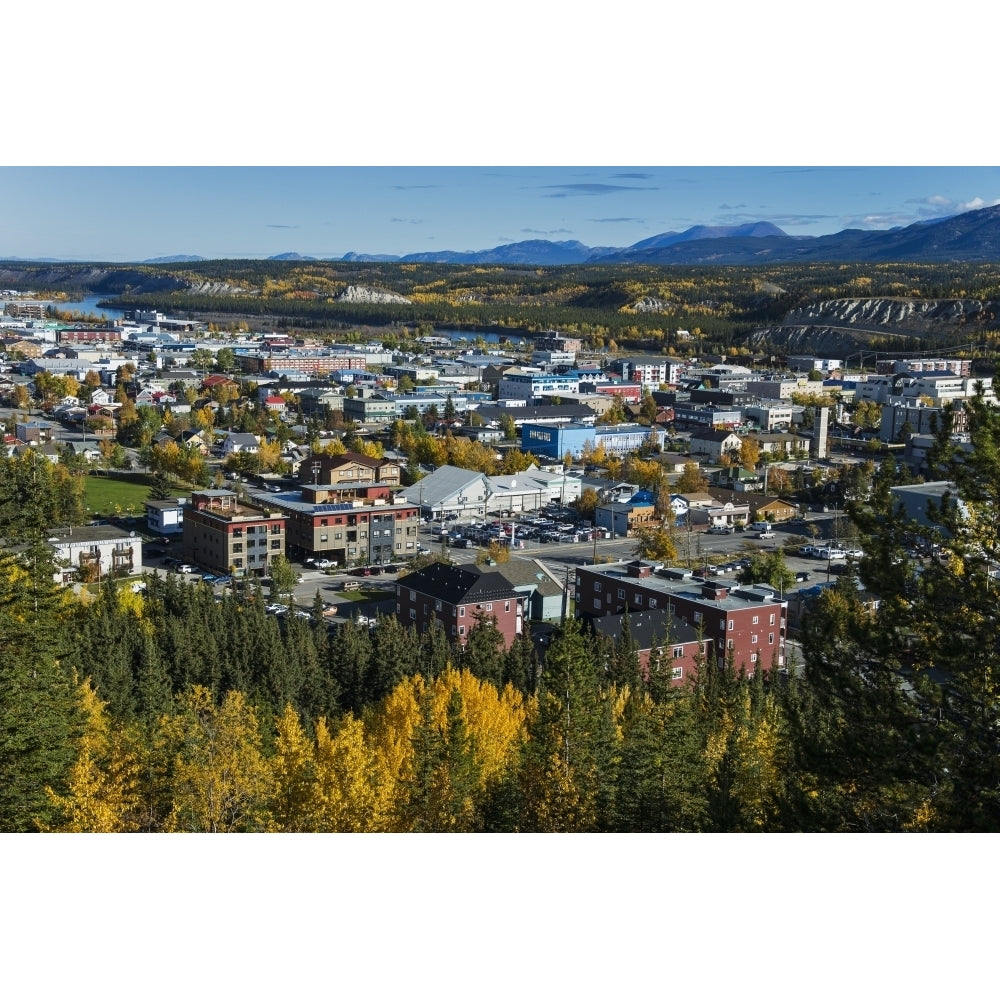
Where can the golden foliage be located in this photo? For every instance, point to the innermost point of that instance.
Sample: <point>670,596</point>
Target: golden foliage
<point>222,782</point>
<point>103,787</point>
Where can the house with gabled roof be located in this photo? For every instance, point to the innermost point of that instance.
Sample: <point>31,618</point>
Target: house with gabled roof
<point>714,444</point>
<point>236,443</point>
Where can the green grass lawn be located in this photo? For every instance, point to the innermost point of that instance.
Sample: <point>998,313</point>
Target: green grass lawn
<point>104,495</point>
<point>362,595</point>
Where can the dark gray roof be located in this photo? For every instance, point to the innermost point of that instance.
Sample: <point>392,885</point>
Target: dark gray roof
<point>458,585</point>
<point>647,627</point>
<point>569,411</point>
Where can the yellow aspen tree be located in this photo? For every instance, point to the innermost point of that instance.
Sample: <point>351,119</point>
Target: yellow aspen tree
<point>390,732</point>
<point>348,797</point>
<point>496,720</point>
<point>103,787</point>
<point>294,806</point>
<point>221,782</point>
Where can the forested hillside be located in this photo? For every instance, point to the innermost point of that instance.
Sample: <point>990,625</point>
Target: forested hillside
<point>628,305</point>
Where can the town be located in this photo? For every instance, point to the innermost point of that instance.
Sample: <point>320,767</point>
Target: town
<point>689,509</point>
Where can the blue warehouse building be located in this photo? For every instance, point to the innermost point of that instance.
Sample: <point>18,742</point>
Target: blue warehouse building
<point>553,441</point>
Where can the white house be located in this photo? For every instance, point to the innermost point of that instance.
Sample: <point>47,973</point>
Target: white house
<point>91,554</point>
<point>236,443</point>
<point>165,517</point>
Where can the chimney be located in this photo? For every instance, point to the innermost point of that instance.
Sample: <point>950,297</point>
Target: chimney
<point>714,591</point>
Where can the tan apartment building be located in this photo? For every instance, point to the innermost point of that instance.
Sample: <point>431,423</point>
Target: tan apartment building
<point>357,526</point>
<point>226,534</point>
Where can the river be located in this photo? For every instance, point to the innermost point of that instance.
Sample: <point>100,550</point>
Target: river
<point>88,306</point>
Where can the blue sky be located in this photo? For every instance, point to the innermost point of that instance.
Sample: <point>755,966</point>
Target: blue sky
<point>135,213</point>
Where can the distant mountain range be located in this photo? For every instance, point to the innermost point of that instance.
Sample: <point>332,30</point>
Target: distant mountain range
<point>970,236</point>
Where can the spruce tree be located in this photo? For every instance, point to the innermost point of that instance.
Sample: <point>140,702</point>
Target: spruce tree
<point>40,712</point>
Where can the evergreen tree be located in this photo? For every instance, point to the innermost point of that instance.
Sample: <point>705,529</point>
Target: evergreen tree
<point>160,487</point>
<point>483,654</point>
<point>520,665</point>
<point>623,664</point>
<point>40,711</point>
<point>350,656</point>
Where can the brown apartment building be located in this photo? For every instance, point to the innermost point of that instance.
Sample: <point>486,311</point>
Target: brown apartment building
<point>347,470</point>
<point>748,622</point>
<point>458,597</point>
<point>226,534</point>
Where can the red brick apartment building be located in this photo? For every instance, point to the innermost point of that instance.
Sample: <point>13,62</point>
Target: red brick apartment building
<point>747,621</point>
<point>225,534</point>
<point>457,597</point>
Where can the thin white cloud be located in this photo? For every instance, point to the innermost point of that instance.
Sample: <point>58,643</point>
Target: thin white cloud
<point>590,190</point>
<point>938,204</point>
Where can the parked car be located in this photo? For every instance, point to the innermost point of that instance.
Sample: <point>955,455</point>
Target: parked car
<point>802,576</point>
<point>720,529</point>
<point>324,564</point>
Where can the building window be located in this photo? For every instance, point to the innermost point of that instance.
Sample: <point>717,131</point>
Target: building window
<point>461,629</point>
<point>770,638</point>
<point>323,538</point>
<point>621,593</point>
<point>638,600</point>
<point>413,595</point>
<point>772,620</point>
<point>730,624</point>
<point>437,605</point>
<point>729,645</point>
<point>753,640</point>
<point>461,612</point>
<point>678,652</point>
<point>597,603</point>
<point>488,607</point>
<point>597,586</point>
<point>652,602</point>
<point>413,614</point>
<point>237,546</point>
<point>276,544</point>
<point>754,622</point>
<point>506,605</point>
<point>753,657</point>
<point>676,673</point>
